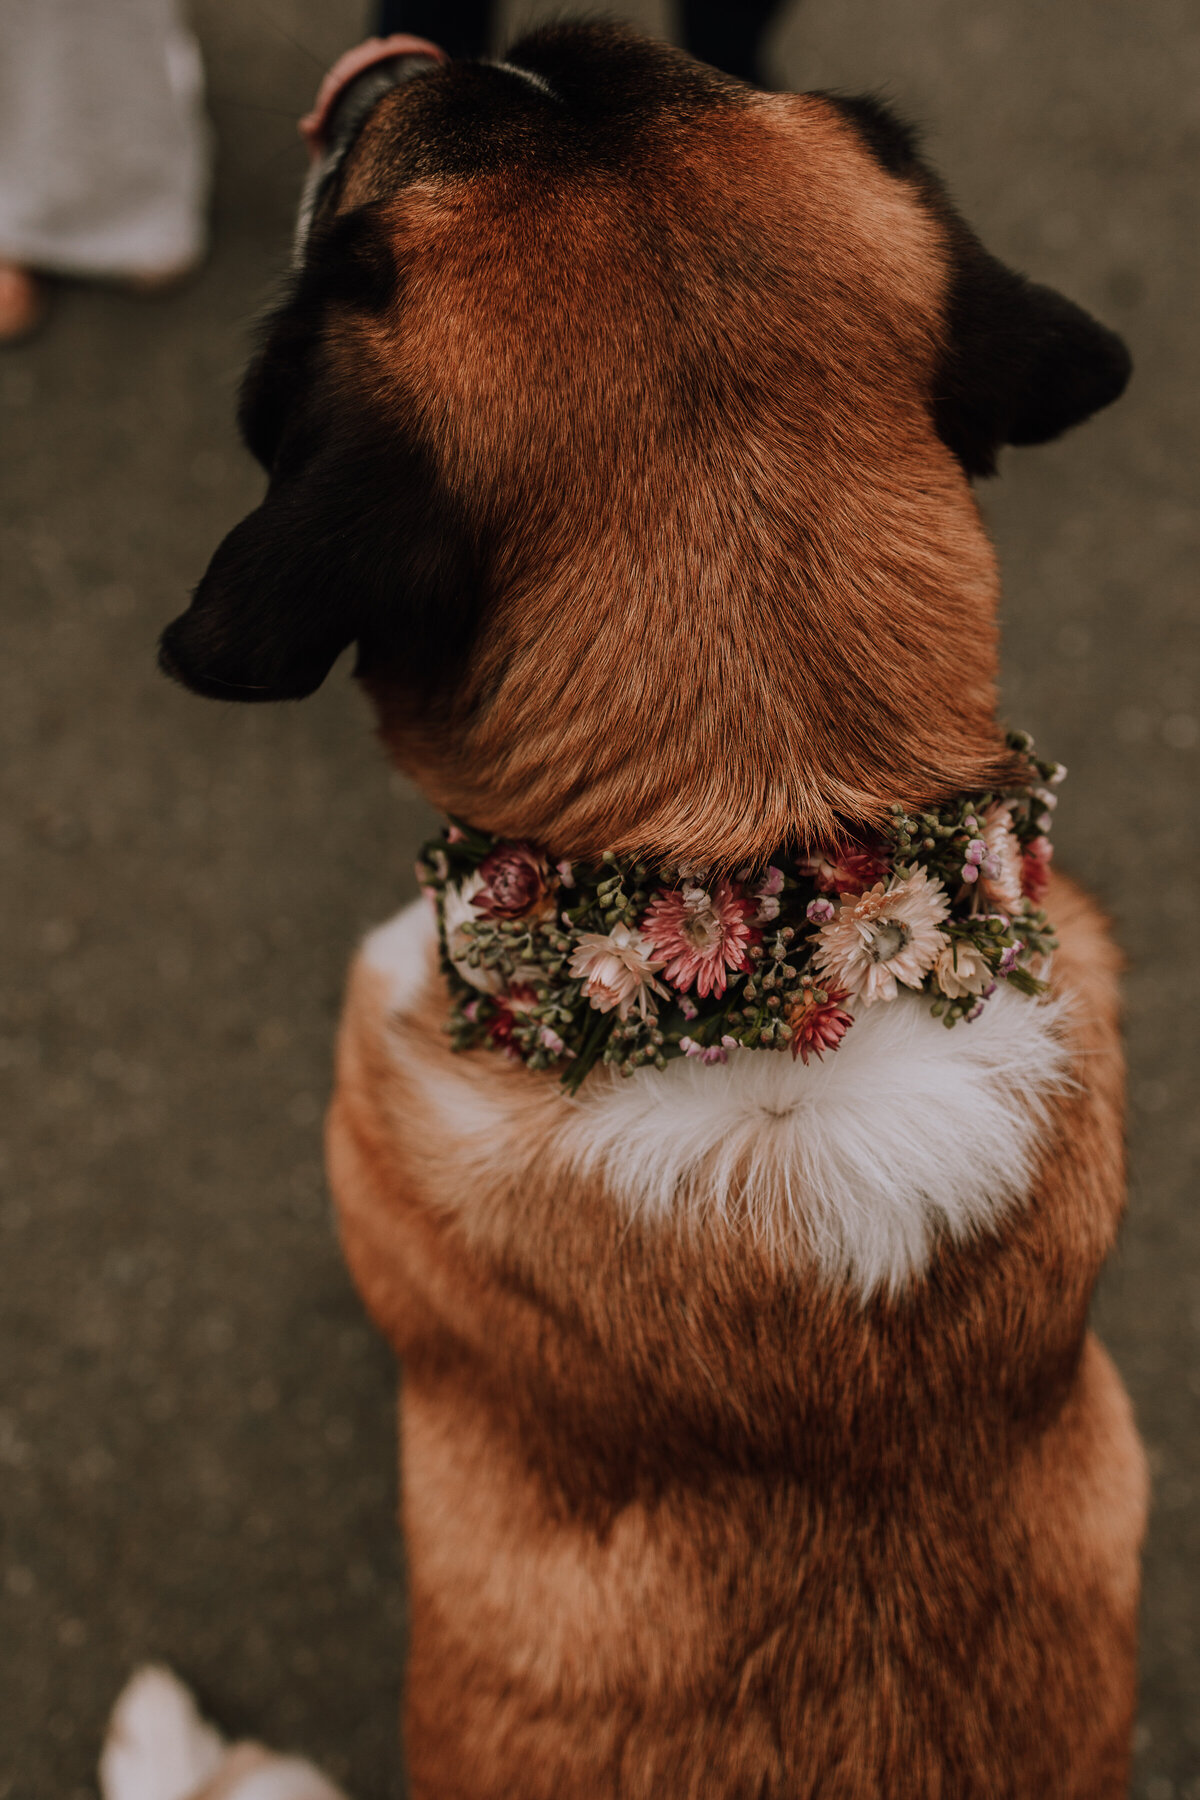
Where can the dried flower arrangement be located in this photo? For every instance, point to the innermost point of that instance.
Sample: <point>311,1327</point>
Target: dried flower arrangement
<point>629,963</point>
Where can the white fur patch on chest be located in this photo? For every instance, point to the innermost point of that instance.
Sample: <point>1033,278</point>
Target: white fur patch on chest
<point>400,951</point>
<point>860,1163</point>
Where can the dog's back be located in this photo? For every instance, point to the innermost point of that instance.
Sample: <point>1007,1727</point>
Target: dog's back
<point>686,1516</point>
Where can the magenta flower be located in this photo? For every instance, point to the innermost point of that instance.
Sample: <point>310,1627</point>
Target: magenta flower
<point>1035,870</point>
<point>516,882</point>
<point>700,936</point>
<point>503,1022</point>
<point>849,871</point>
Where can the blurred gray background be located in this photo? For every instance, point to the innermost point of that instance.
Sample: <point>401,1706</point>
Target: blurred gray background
<point>196,1441</point>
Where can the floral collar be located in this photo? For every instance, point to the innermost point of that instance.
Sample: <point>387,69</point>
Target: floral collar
<point>631,963</point>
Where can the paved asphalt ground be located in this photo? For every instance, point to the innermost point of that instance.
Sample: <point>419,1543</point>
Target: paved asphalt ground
<point>196,1444</point>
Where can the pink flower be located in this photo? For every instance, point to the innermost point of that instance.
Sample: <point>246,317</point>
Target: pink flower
<point>515,882</point>
<point>819,912</point>
<point>700,936</point>
<point>887,935</point>
<point>550,1040</point>
<point>1000,869</point>
<point>767,894</point>
<point>846,871</point>
<point>818,1020</point>
<point>455,834</point>
<point>1035,870</point>
<point>1010,958</point>
<point>617,970</point>
<point>708,1053</point>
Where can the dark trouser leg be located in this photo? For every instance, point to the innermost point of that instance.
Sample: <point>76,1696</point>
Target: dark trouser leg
<point>461,27</point>
<point>729,33</point>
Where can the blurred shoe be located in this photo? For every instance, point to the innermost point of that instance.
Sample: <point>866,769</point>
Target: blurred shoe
<point>22,303</point>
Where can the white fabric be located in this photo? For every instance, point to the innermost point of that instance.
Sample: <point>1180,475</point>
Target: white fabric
<point>104,147</point>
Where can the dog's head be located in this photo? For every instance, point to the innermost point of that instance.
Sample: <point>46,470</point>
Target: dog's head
<point>624,417</point>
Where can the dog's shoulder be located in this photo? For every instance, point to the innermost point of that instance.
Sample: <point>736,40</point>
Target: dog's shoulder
<point>860,1164</point>
<point>401,954</point>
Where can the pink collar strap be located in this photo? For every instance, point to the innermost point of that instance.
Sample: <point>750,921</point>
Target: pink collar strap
<point>348,68</point>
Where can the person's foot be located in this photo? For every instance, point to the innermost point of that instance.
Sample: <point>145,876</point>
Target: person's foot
<point>22,303</point>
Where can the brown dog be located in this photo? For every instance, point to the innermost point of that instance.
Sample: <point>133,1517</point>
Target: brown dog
<point>625,417</point>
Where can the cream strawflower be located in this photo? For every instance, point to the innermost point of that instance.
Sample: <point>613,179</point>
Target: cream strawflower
<point>887,935</point>
<point>617,971</point>
<point>999,888</point>
<point>960,969</point>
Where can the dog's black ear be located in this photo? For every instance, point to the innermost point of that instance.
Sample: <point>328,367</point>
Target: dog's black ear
<point>356,540</point>
<point>357,543</point>
<point>1021,363</point>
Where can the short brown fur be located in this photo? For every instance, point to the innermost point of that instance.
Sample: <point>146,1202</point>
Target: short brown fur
<point>850,603</point>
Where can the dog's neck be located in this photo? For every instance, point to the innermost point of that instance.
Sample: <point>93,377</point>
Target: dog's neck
<point>565,964</point>
<point>691,690</point>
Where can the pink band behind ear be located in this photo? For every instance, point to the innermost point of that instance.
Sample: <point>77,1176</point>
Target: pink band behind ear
<point>347,67</point>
